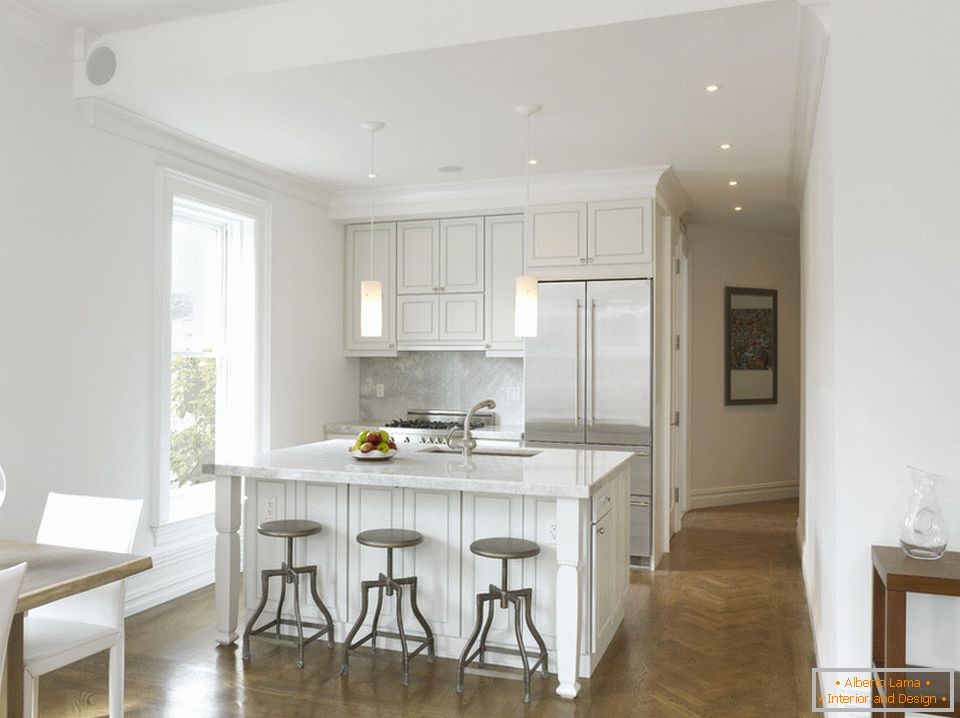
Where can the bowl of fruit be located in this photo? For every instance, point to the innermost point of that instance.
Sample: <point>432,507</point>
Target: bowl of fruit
<point>374,444</point>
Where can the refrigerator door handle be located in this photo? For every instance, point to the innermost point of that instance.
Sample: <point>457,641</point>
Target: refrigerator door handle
<point>593,362</point>
<point>576,384</point>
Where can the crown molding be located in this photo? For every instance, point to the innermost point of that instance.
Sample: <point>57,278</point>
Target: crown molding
<point>35,27</point>
<point>163,138</point>
<point>671,194</point>
<point>496,195</point>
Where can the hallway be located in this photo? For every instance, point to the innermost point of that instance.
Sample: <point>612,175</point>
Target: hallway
<point>721,630</point>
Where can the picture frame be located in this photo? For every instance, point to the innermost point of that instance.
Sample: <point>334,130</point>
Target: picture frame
<point>750,346</point>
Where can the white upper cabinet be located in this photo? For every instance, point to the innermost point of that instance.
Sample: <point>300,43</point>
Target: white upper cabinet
<point>461,255</point>
<point>418,257</point>
<point>596,240</point>
<point>619,232</point>
<point>358,268</point>
<point>503,245</point>
<point>557,235</point>
<point>461,318</point>
<point>417,319</point>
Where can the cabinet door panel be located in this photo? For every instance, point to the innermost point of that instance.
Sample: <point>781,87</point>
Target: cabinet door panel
<point>503,248</point>
<point>327,550</point>
<point>461,318</point>
<point>556,235</point>
<point>357,261</point>
<point>435,562</point>
<point>620,232</point>
<point>461,255</point>
<point>417,257</point>
<point>540,572</point>
<point>604,560</point>
<point>417,318</point>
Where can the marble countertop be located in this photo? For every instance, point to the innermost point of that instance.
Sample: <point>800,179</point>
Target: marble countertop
<point>504,432</point>
<point>555,473</point>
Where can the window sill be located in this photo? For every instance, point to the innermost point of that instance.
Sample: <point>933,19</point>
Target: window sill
<point>184,529</point>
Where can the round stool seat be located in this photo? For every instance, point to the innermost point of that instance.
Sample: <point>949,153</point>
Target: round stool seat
<point>289,528</point>
<point>389,538</point>
<point>504,548</point>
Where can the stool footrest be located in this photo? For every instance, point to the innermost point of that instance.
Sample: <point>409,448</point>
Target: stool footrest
<point>322,630</point>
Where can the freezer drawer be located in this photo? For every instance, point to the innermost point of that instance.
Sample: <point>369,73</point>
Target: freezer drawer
<point>640,514</point>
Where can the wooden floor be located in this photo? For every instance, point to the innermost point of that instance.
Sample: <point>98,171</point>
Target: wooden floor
<point>721,630</point>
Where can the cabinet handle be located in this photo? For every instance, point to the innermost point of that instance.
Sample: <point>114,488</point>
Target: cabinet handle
<point>583,260</point>
<point>436,289</point>
<point>390,346</point>
<point>593,363</point>
<point>443,289</point>
<point>576,369</point>
<point>589,260</point>
<point>486,346</point>
<point>607,499</point>
<point>601,530</point>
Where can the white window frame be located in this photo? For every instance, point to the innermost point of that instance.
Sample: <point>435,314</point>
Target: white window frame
<point>171,184</point>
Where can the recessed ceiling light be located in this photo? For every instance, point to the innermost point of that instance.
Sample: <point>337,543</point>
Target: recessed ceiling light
<point>733,183</point>
<point>450,168</point>
<point>738,208</point>
<point>725,146</point>
<point>532,161</point>
<point>712,88</point>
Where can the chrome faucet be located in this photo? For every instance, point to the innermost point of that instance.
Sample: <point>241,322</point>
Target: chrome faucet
<point>467,443</point>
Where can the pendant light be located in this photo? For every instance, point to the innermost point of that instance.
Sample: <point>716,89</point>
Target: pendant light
<point>371,291</point>
<point>525,304</point>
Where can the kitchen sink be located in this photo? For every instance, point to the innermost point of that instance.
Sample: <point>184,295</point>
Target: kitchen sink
<point>483,451</point>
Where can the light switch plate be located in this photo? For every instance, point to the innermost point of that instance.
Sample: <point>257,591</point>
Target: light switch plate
<point>379,391</point>
<point>513,393</point>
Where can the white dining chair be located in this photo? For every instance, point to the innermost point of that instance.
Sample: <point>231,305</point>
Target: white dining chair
<point>10,581</point>
<point>65,631</point>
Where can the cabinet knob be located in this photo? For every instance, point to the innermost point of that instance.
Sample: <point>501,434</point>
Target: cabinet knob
<point>390,346</point>
<point>601,530</point>
<point>443,289</point>
<point>583,260</point>
<point>486,346</point>
<point>590,260</point>
<point>436,289</point>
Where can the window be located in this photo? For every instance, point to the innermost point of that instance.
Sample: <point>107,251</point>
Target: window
<point>211,393</point>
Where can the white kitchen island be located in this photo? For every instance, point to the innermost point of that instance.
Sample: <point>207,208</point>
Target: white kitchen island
<point>573,503</point>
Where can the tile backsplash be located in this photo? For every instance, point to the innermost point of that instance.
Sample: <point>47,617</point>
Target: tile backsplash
<point>440,380</point>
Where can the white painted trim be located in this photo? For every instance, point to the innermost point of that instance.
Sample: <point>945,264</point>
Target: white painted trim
<point>746,494</point>
<point>177,569</point>
<point>820,8</point>
<point>32,26</point>
<point>171,183</point>
<point>136,128</point>
<point>495,196</point>
<point>671,195</point>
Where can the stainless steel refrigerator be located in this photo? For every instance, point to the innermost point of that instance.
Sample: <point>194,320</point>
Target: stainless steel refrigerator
<point>588,379</point>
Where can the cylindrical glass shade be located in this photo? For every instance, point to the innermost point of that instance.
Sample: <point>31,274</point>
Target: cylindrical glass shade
<point>371,308</point>
<point>525,307</point>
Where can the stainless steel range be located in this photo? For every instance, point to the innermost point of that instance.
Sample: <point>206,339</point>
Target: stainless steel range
<point>431,426</point>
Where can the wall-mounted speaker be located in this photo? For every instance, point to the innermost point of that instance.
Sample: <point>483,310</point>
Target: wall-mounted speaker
<point>101,65</point>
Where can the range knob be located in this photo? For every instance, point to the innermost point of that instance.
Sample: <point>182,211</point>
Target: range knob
<point>406,440</point>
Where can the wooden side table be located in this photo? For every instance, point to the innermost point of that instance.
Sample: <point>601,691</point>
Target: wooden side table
<point>895,574</point>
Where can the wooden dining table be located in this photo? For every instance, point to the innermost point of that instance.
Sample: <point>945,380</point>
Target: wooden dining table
<point>55,572</point>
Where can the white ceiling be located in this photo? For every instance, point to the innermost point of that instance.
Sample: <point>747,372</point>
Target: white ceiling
<point>104,16</point>
<point>628,94</point>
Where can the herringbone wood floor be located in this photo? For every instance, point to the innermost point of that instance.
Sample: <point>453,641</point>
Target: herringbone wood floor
<point>720,630</point>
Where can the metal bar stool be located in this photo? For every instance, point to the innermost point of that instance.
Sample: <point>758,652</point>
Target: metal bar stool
<point>289,529</point>
<point>389,539</point>
<point>504,549</point>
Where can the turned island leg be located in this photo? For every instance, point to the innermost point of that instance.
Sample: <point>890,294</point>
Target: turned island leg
<point>227,573</point>
<point>570,562</point>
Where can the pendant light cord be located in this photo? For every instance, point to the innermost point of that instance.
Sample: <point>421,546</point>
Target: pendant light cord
<point>526,157</point>
<point>372,177</point>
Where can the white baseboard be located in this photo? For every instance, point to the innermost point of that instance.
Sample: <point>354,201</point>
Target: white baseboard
<point>177,570</point>
<point>748,494</point>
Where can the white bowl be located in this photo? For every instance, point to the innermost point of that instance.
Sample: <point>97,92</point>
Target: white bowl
<point>373,455</point>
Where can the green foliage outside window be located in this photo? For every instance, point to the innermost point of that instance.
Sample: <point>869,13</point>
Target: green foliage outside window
<point>194,416</point>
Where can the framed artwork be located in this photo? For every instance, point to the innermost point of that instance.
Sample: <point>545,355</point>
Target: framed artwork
<point>750,346</point>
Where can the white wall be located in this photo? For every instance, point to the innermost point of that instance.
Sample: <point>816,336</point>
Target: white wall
<point>76,303</point>
<point>893,251</point>
<point>746,453</point>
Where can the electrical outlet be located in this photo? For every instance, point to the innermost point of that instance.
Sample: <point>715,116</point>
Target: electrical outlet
<point>270,510</point>
<point>513,393</point>
<point>548,533</point>
<point>379,391</point>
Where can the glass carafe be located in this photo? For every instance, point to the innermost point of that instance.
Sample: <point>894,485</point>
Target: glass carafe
<point>923,532</point>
